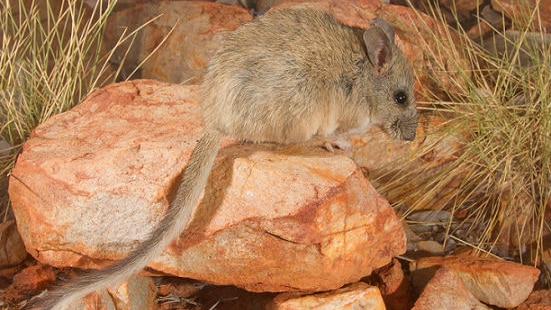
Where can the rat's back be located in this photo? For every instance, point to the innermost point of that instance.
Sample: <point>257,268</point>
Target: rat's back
<point>279,78</point>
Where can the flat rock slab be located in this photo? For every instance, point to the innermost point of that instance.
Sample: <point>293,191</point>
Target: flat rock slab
<point>91,183</point>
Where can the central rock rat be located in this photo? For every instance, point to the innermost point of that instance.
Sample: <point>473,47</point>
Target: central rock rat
<point>285,77</point>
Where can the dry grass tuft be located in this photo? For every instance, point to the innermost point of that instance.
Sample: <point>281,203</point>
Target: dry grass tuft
<point>51,57</point>
<point>498,186</point>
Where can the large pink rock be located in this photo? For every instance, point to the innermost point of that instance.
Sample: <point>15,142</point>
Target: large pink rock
<point>93,182</point>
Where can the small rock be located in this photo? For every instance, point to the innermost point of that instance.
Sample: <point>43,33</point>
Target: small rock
<point>239,3</point>
<point>446,291</point>
<point>546,258</point>
<point>411,237</point>
<point>394,286</point>
<point>354,296</point>
<point>135,293</point>
<point>533,50</point>
<point>482,28</point>
<point>34,279</point>
<point>495,282</point>
<point>429,246</point>
<point>178,286</point>
<point>462,7</point>
<point>194,29</point>
<point>538,300</point>
<point>264,5</point>
<point>12,249</point>
<point>430,216</point>
<point>515,9</point>
<point>7,274</point>
<point>5,147</point>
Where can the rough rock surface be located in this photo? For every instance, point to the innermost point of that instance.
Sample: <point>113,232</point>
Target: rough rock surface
<point>514,9</point>
<point>24,282</point>
<point>192,29</point>
<point>495,282</point>
<point>34,279</point>
<point>135,293</point>
<point>94,181</point>
<point>538,300</point>
<point>446,291</point>
<point>354,296</point>
<point>394,286</point>
<point>12,249</point>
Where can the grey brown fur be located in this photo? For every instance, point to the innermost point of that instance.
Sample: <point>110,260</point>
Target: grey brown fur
<point>285,77</point>
<point>293,74</point>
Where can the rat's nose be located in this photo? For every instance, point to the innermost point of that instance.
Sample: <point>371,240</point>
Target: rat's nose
<point>409,136</point>
<point>408,127</point>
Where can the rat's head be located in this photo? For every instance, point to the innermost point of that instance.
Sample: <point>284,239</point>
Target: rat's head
<point>389,83</point>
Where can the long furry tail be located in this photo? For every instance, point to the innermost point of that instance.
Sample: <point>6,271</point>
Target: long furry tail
<point>176,220</point>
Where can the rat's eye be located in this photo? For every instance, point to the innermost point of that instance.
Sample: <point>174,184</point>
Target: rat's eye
<point>400,97</point>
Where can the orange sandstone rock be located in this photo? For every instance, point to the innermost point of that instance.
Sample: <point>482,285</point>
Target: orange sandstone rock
<point>93,182</point>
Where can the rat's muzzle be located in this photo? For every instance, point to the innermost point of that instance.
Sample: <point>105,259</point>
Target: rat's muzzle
<point>406,126</point>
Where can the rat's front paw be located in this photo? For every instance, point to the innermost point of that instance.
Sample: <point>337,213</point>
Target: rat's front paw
<point>340,144</point>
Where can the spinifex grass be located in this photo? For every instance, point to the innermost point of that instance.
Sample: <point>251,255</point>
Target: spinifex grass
<point>50,58</point>
<point>499,107</point>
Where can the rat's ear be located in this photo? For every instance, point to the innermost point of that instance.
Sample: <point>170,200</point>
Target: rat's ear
<point>378,42</point>
<point>386,27</point>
